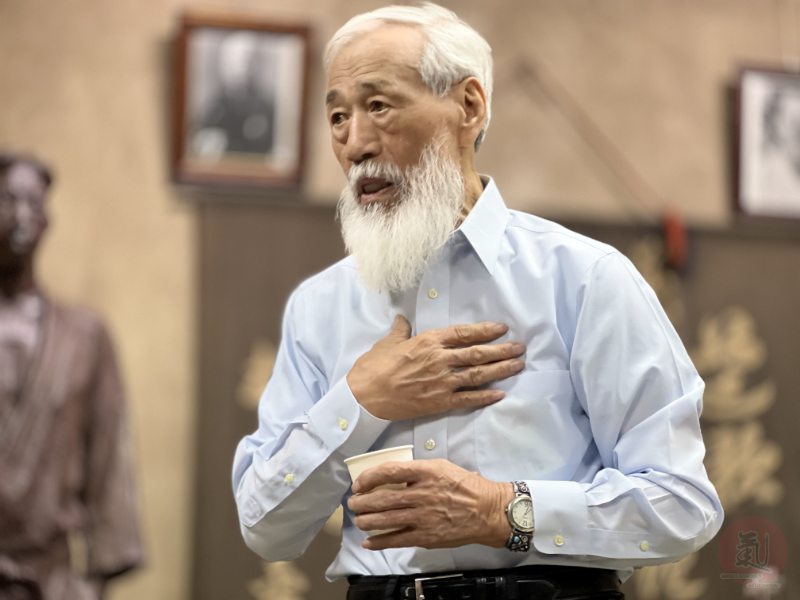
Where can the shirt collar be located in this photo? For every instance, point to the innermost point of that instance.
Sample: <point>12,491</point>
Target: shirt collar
<point>486,223</point>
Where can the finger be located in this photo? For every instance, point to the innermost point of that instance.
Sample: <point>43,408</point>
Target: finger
<point>464,334</point>
<point>388,472</point>
<point>481,355</point>
<point>379,501</point>
<point>391,519</point>
<point>475,376</point>
<point>405,538</point>
<point>401,329</point>
<point>471,398</point>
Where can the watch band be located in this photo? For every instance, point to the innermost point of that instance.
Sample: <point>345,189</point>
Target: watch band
<point>519,541</point>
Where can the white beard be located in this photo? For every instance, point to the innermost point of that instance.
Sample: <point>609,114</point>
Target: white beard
<point>394,245</point>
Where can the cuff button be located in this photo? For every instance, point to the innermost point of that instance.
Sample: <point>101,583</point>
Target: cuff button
<point>289,478</point>
<point>644,546</point>
<point>558,540</point>
<point>342,424</point>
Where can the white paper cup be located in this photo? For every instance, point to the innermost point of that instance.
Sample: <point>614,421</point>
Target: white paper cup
<point>358,464</point>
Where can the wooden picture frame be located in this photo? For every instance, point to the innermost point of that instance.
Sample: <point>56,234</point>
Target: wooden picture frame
<point>241,88</point>
<point>767,143</point>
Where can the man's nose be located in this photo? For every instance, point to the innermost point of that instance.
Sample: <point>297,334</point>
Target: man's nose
<point>363,141</point>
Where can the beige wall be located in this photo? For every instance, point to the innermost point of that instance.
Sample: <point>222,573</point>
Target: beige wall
<point>85,85</point>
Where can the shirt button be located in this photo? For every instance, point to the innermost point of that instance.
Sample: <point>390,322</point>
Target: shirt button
<point>289,478</point>
<point>342,424</point>
<point>430,444</point>
<point>644,546</point>
<point>432,294</point>
<point>559,540</point>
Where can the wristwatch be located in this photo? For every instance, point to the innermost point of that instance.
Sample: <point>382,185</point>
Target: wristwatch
<point>520,515</point>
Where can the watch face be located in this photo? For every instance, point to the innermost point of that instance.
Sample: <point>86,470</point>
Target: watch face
<point>522,513</point>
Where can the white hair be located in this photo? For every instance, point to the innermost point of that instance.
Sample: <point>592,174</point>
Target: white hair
<point>453,52</point>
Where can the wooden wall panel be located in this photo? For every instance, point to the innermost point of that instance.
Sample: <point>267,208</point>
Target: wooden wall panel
<point>251,259</point>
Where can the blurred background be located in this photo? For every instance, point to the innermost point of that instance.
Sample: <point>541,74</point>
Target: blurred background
<point>607,114</point>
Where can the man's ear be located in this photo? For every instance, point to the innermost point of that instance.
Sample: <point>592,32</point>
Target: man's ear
<point>472,98</point>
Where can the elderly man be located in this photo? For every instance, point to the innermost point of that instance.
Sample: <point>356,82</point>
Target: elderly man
<point>65,469</point>
<point>552,408</point>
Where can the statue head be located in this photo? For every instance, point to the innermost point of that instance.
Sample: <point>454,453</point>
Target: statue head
<point>24,182</point>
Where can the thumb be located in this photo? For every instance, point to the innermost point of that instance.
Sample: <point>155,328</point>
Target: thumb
<point>401,329</point>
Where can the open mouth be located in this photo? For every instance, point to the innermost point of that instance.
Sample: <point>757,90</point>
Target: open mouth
<point>373,189</point>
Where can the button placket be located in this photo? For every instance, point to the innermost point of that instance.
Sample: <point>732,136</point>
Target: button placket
<point>433,312</point>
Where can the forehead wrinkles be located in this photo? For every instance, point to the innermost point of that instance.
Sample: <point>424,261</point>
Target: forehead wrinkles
<point>369,78</point>
<point>387,51</point>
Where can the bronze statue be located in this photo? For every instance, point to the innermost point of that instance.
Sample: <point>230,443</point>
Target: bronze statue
<point>65,469</point>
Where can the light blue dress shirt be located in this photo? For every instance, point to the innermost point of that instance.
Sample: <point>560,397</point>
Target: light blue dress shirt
<point>602,424</point>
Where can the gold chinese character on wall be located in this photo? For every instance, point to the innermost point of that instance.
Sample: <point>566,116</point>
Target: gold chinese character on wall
<point>257,371</point>
<point>280,581</point>
<point>741,462</point>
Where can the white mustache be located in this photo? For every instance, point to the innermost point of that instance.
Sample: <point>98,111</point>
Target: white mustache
<point>379,170</point>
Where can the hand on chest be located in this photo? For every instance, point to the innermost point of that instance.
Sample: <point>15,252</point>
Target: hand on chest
<point>537,428</point>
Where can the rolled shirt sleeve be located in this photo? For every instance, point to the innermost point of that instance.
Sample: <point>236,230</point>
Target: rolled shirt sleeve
<point>290,475</point>
<point>651,502</point>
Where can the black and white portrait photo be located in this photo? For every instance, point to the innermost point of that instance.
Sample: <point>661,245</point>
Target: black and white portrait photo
<point>242,104</point>
<point>233,108</point>
<point>769,148</point>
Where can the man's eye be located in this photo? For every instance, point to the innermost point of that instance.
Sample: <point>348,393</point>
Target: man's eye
<point>337,118</point>
<point>377,106</point>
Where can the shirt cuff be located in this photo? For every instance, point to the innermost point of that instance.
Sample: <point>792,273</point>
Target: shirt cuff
<point>561,517</point>
<point>343,424</point>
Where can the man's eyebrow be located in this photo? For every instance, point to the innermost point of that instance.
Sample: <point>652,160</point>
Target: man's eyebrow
<point>372,86</point>
<point>368,86</point>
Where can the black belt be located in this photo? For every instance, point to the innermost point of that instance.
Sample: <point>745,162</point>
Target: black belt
<point>539,582</point>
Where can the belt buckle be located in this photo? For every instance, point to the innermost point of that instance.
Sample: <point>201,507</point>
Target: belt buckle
<point>418,583</point>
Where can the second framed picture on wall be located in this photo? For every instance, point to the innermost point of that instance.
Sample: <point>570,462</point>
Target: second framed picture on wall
<point>769,143</point>
<point>240,102</point>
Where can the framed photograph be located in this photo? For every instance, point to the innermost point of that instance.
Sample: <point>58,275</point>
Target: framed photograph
<point>240,102</point>
<point>768,161</point>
